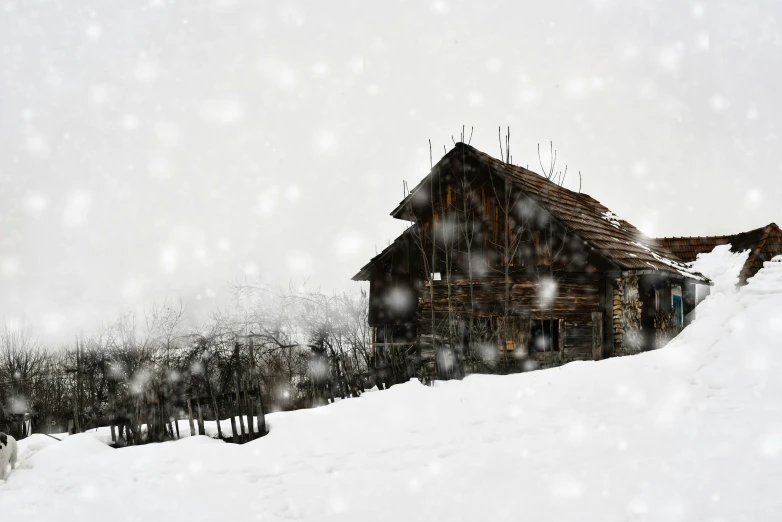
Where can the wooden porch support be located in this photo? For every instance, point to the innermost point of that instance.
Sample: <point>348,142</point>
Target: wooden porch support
<point>597,335</point>
<point>608,319</point>
<point>688,301</point>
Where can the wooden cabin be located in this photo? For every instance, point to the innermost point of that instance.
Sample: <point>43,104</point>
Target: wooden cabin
<point>502,269</point>
<point>763,244</point>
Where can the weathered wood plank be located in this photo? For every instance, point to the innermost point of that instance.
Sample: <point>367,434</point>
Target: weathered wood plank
<point>597,336</point>
<point>562,336</point>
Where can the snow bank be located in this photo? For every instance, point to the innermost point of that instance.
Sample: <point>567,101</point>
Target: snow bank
<point>689,432</point>
<point>33,444</point>
<point>722,266</point>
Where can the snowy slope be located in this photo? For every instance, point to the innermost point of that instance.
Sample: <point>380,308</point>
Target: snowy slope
<point>687,433</point>
<point>722,266</point>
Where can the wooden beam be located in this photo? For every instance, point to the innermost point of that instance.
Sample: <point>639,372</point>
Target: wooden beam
<point>561,337</point>
<point>597,335</point>
<point>608,315</point>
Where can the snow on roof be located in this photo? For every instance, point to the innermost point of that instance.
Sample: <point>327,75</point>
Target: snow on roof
<point>722,265</point>
<point>677,266</point>
<point>611,218</point>
<point>763,243</point>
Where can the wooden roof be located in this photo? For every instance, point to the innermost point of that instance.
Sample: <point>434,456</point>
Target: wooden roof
<point>615,239</point>
<point>366,270</point>
<point>763,244</point>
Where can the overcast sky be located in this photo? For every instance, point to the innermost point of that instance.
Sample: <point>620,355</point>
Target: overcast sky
<point>172,148</point>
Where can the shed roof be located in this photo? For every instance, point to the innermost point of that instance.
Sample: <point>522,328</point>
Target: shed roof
<point>763,244</point>
<point>618,241</point>
<point>364,273</point>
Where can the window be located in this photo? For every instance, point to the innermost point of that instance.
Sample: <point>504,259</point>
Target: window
<point>678,309</point>
<point>544,336</point>
<point>436,276</point>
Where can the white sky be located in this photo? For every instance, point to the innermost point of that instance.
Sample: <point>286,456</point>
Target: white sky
<point>171,148</point>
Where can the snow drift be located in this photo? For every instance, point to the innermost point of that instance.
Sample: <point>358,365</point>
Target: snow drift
<point>689,432</point>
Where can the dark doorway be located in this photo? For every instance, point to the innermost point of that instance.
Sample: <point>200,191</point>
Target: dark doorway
<point>544,336</point>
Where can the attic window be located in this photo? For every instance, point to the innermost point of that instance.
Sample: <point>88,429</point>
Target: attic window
<point>436,276</point>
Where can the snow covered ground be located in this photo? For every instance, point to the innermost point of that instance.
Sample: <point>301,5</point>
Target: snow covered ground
<point>691,432</point>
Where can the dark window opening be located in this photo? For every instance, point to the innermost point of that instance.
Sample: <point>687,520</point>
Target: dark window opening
<point>544,336</point>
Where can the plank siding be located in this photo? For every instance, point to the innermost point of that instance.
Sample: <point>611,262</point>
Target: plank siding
<point>461,231</point>
<point>571,298</point>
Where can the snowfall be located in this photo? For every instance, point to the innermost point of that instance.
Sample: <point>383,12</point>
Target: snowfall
<point>691,432</point>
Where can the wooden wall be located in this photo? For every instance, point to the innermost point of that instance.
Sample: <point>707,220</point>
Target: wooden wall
<point>571,304</point>
<point>571,297</point>
<point>394,287</point>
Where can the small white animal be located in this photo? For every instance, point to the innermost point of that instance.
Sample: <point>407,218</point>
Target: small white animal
<point>8,454</point>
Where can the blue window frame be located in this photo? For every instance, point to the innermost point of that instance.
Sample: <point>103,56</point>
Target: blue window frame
<point>678,311</point>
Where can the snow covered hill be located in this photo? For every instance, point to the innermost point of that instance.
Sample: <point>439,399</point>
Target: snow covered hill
<point>687,433</point>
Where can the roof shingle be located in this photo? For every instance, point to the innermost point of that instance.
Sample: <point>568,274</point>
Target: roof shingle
<point>618,240</point>
<point>763,243</point>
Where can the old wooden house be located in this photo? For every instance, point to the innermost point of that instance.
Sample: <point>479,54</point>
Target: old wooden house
<point>763,244</point>
<point>502,269</point>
